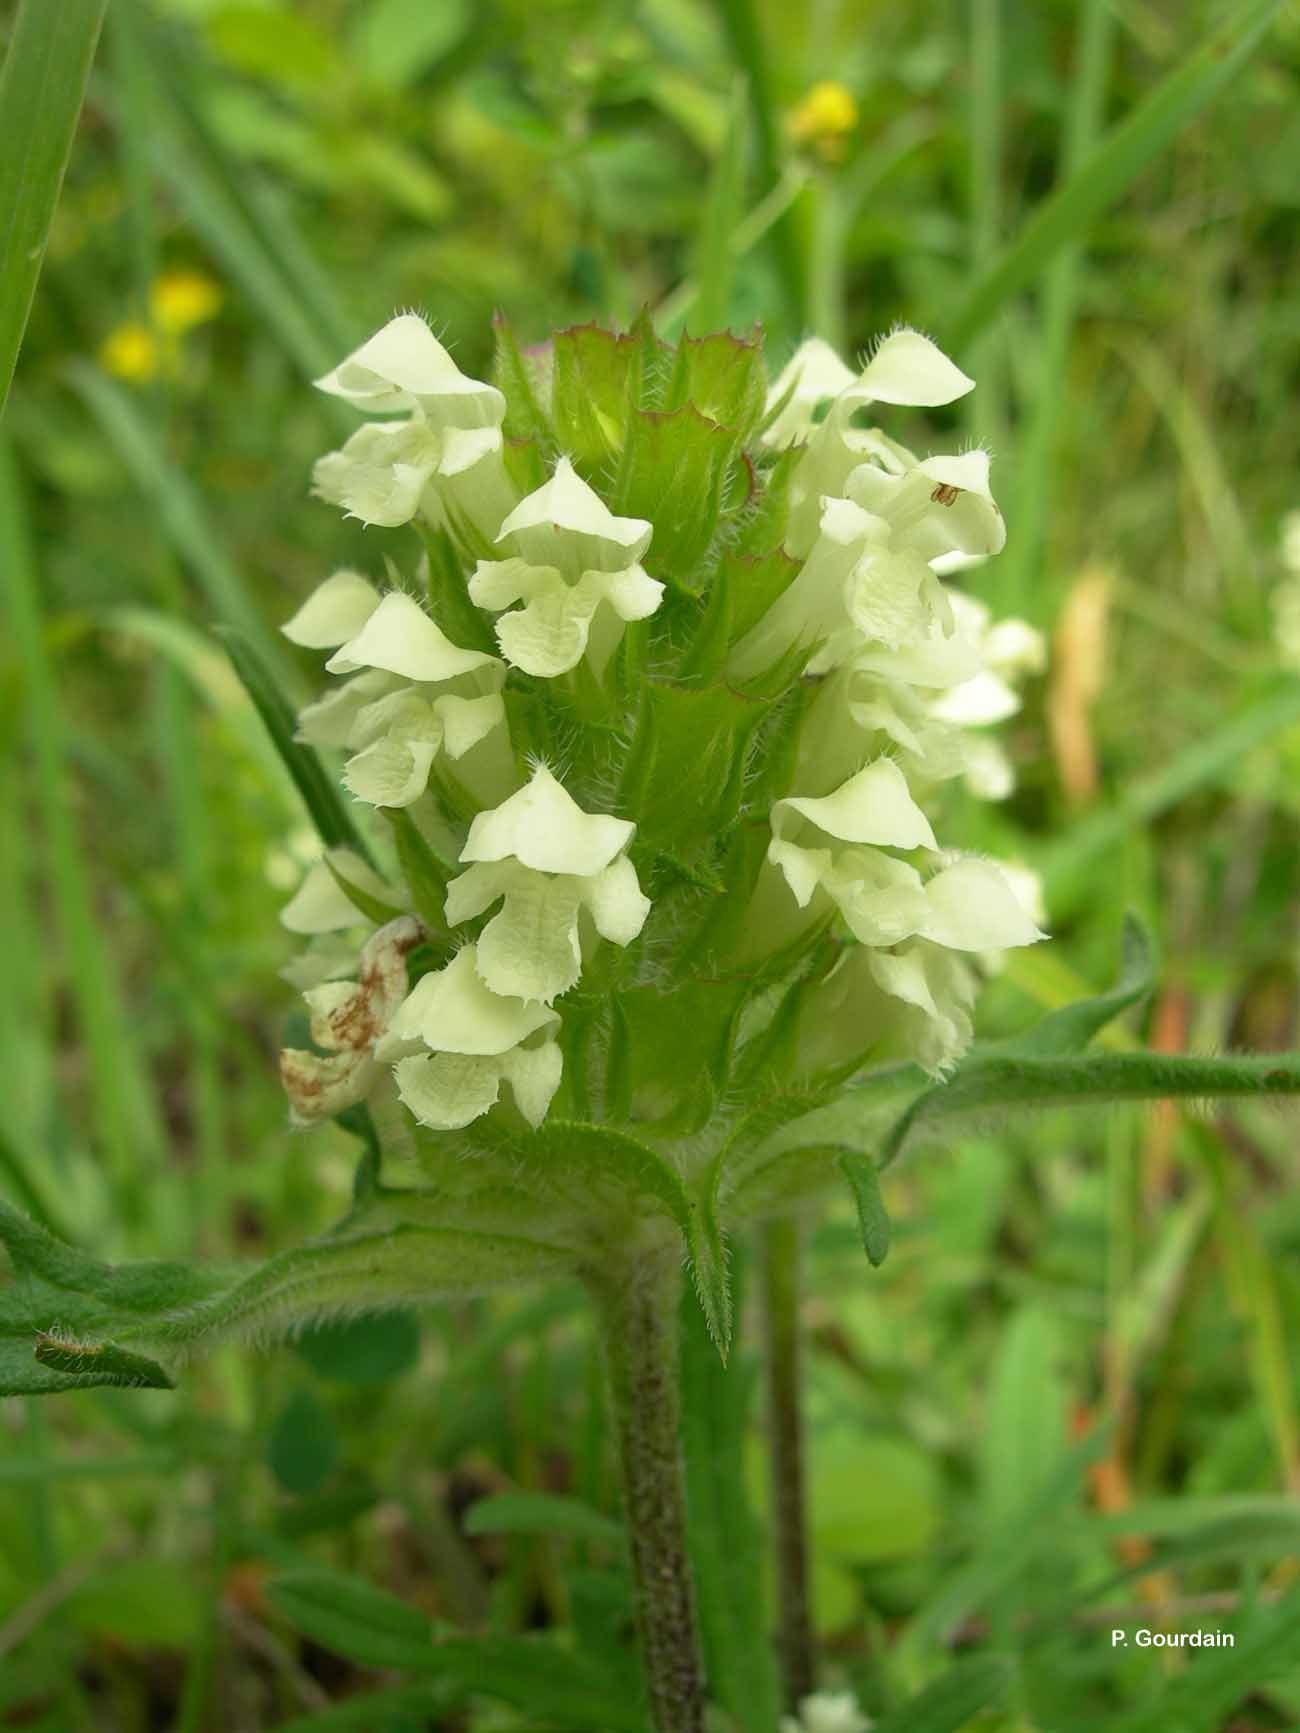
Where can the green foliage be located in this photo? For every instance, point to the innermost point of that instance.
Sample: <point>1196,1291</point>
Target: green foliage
<point>41,87</point>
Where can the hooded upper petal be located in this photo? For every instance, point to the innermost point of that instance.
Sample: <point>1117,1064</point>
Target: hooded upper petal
<point>544,827</point>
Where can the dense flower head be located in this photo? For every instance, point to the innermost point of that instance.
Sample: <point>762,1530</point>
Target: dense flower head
<point>649,728</point>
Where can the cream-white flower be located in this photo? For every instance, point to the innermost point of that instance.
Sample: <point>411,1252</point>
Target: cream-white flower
<point>385,473</point>
<point>546,861</point>
<point>334,612</point>
<point>827,1712</point>
<point>575,567</point>
<point>399,736</point>
<point>321,905</point>
<point>812,377</point>
<point>860,585</point>
<point>400,638</point>
<point>403,366</point>
<point>836,844</point>
<point>456,1042</point>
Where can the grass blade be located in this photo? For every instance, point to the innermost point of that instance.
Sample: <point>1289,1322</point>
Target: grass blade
<point>1112,167</point>
<point>1017,592</point>
<point>1204,760</point>
<point>41,88</point>
<point>127,1116</point>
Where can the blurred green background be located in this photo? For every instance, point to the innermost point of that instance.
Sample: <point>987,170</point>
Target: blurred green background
<point>254,188</point>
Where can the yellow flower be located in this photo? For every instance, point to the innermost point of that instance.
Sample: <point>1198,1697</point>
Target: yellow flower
<point>179,300</point>
<point>824,119</point>
<point>131,352</point>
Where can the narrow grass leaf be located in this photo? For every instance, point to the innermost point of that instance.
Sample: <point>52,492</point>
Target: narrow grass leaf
<point>1112,166</point>
<point>41,88</point>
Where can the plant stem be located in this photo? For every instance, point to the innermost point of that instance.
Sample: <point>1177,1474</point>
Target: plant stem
<point>780,1281</point>
<point>637,1305</point>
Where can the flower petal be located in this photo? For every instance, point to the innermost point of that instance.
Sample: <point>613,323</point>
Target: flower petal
<point>446,1091</point>
<point>334,612</point>
<point>403,365</point>
<point>616,902</point>
<point>875,806</point>
<point>533,1073</point>
<point>544,827</point>
<point>909,369</point>
<point>529,950</point>
<point>453,1011</point>
<point>321,906</point>
<point>972,907</point>
<point>380,473</point>
<point>331,719</point>
<point>565,504</point>
<point>813,375</point>
<point>392,772</point>
<point>466,721</point>
<point>401,638</point>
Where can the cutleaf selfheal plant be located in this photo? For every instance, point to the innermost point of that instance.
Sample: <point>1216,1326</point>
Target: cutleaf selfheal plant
<point>631,760</point>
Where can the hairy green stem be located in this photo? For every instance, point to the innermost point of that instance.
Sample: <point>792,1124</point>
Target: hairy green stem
<point>637,1305</point>
<point>780,1282</point>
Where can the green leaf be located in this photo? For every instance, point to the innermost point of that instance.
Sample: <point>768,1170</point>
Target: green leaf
<point>726,1543</point>
<point>303,1447</point>
<point>860,1170</point>
<point>70,1320</point>
<point>320,795</point>
<point>362,1351</point>
<point>1113,165</point>
<point>395,42</point>
<point>350,1617</point>
<point>99,1363</point>
<point>980,1083</point>
<point>41,87</point>
<point>1070,1029</point>
<point>426,875</point>
<point>953,1698</point>
<point>1203,1697</point>
<point>541,1513</point>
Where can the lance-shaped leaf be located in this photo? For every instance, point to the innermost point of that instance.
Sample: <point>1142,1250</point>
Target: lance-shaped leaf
<point>69,1320</point>
<point>1070,1029</point>
<point>996,1081</point>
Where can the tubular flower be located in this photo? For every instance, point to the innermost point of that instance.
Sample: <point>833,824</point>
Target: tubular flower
<point>413,694</point>
<point>450,432</point>
<point>545,861</point>
<point>708,868</point>
<point>575,567</point>
<point>456,1042</point>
